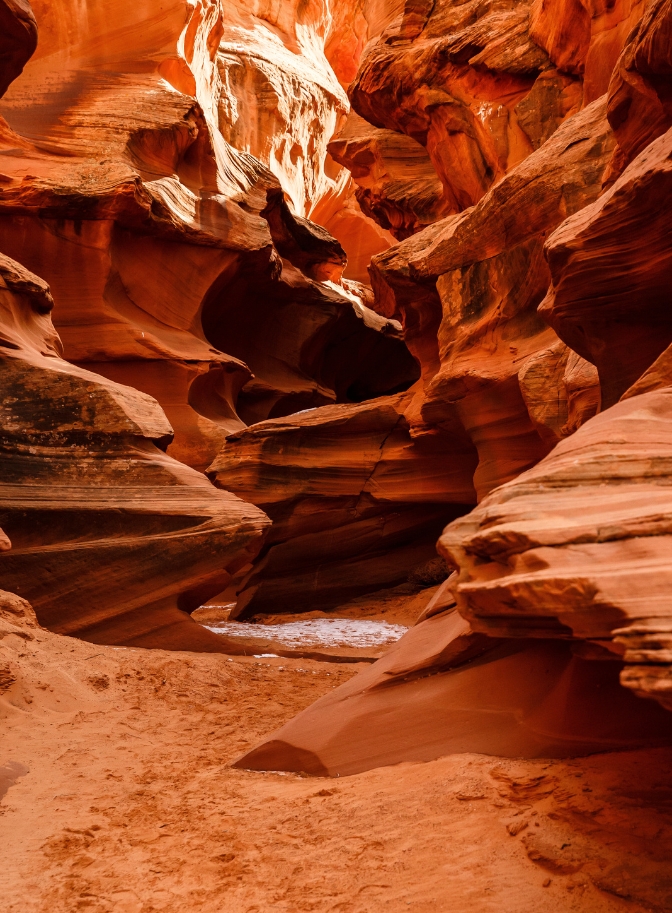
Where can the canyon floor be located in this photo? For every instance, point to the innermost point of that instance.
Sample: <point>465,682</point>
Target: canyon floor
<point>118,795</point>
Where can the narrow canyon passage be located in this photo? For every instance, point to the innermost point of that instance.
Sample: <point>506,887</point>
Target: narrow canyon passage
<point>335,456</point>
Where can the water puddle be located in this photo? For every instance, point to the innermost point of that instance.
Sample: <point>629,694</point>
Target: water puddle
<point>315,633</point>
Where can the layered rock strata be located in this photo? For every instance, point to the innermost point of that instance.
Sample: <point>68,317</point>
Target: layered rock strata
<point>480,86</point>
<point>109,538</point>
<point>579,546</point>
<point>119,188</point>
<point>356,501</point>
<point>530,287</point>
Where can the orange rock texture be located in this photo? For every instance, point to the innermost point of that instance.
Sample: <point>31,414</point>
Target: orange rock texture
<point>157,236</point>
<point>203,187</point>
<point>499,387</point>
<point>531,310</point>
<point>108,537</point>
<point>354,498</point>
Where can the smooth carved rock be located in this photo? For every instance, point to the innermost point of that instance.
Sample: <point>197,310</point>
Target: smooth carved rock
<point>585,37</point>
<point>467,81</point>
<point>18,39</point>
<point>611,265</point>
<point>472,82</point>
<point>640,91</point>
<point>355,500</point>
<point>561,391</point>
<point>580,545</point>
<point>563,30</point>
<point>467,289</point>
<point>111,192</point>
<point>281,101</point>
<point>122,192</point>
<point>655,377</point>
<point>443,689</point>
<point>106,536</point>
<point>397,183</point>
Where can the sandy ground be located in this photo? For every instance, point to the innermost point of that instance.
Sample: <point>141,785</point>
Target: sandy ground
<point>119,797</point>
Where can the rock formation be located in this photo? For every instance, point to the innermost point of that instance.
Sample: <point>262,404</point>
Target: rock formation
<point>570,541</point>
<point>157,236</point>
<point>441,690</point>
<point>466,288</point>
<point>480,85</point>
<point>579,546</point>
<point>105,535</point>
<point>639,92</point>
<point>203,201</point>
<point>611,266</point>
<point>355,500</point>
<point>18,39</point>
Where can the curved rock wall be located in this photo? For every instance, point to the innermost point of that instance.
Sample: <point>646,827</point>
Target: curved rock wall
<point>499,387</point>
<point>18,39</point>
<point>518,152</point>
<point>121,190</point>
<point>570,541</point>
<point>110,539</point>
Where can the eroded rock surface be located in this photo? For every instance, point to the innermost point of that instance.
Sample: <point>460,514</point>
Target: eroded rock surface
<point>119,188</point>
<point>443,689</point>
<point>18,39</point>
<point>640,107</point>
<point>565,562</point>
<point>611,268</point>
<point>108,537</point>
<point>189,197</point>
<point>467,290</point>
<point>354,498</point>
<point>480,86</point>
<point>580,545</point>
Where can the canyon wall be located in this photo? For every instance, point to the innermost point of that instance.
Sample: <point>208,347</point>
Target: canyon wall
<point>181,265</point>
<point>109,538</point>
<point>538,313</point>
<point>164,245</point>
<point>202,188</point>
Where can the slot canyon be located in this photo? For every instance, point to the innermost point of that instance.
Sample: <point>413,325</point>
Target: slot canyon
<point>336,456</point>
